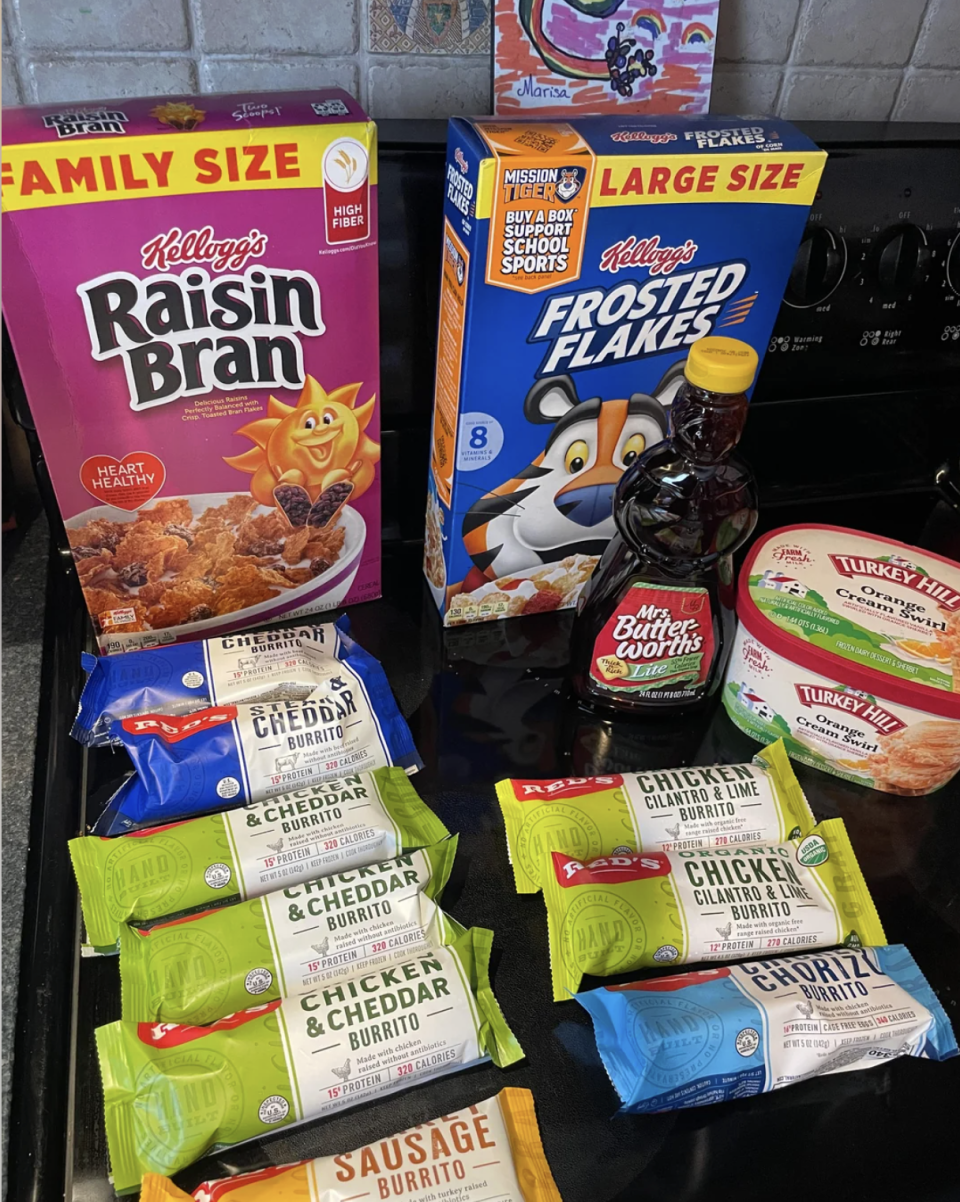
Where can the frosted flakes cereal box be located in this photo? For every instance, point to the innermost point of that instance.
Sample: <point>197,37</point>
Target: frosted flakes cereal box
<point>191,290</point>
<point>580,260</point>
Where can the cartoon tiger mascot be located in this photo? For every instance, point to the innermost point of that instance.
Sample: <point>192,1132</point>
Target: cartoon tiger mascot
<point>562,503</point>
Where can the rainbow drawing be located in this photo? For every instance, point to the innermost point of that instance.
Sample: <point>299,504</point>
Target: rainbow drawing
<point>696,34</point>
<point>651,21</point>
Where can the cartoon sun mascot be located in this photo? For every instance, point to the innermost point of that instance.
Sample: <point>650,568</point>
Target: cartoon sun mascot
<point>319,442</point>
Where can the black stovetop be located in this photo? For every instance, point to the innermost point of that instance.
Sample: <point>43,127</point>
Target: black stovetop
<point>485,702</point>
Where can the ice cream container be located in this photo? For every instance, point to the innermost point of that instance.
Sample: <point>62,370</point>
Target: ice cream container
<point>849,649</point>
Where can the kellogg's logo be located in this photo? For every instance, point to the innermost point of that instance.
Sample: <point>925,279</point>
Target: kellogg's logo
<point>461,160</point>
<point>72,124</point>
<point>647,252</point>
<point>201,246</point>
<point>641,135</point>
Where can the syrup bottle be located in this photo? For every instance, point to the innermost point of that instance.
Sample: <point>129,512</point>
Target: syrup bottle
<point>656,622</point>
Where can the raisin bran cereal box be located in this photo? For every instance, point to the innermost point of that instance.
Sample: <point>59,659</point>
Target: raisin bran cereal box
<point>191,290</point>
<point>580,261</point>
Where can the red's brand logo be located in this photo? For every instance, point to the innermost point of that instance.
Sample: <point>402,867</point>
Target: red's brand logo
<point>669,984</point>
<point>201,246</point>
<point>860,705</point>
<point>646,252</point>
<point>641,135</point>
<point>897,570</point>
<point>172,729</point>
<point>569,786</point>
<point>214,1191</point>
<point>172,1035</point>
<point>609,870</point>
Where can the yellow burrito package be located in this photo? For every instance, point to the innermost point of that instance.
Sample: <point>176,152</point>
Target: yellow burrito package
<point>493,1147</point>
<point>621,913</point>
<point>674,809</point>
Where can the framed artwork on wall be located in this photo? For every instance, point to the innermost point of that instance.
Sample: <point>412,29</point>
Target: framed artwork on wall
<point>603,56</point>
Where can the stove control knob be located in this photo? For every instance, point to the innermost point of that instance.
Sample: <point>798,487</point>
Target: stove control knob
<point>902,257</point>
<point>953,266</point>
<point>818,268</point>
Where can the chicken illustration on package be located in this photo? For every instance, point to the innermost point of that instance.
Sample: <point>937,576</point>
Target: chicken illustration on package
<point>191,293</point>
<point>580,261</point>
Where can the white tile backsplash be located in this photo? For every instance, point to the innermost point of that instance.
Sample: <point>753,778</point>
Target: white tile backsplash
<point>857,59</point>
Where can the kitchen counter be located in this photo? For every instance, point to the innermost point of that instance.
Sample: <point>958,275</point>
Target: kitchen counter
<point>24,590</point>
<point>484,702</point>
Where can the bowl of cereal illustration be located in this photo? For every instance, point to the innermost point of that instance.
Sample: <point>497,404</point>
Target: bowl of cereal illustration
<point>535,590</point>
<point>186,567</point>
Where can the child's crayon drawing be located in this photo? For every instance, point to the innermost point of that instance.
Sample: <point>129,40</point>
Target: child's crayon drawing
<point>603,56</point>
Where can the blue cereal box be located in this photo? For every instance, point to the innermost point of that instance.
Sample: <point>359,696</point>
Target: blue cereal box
<point>580,260</point>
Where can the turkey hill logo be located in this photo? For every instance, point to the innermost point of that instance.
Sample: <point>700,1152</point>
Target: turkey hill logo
<point>851,701</point>
<point>896,570</point>
<point>570,182</point>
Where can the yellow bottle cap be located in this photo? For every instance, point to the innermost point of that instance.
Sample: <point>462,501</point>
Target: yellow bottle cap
<point>721,364</point>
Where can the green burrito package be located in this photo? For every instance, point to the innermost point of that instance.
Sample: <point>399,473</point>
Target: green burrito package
<point>249,851</point>
<point>674,809</point>
<point>173,1093</point>
<point>621,913</point>
<point>198,968</point>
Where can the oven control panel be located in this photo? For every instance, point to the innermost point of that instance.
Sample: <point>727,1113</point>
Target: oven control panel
<point>873,299</point>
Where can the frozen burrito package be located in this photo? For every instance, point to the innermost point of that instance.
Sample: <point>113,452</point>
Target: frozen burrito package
<point>258,665</point>
<point>232,754</point>
<point>674,809</point>
<point>246,852</point>
<point>492,1148</point>
<point>173,1093</point>
<point>198,968</point>
<point>733,1032</point>
<point>646,910</point>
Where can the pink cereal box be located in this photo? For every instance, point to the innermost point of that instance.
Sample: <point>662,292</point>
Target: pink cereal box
<point>190,286</point>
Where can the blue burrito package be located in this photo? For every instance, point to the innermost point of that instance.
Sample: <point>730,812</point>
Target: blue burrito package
<point>703,1037</point>
<point>256,665</point>
<point>231,755</point>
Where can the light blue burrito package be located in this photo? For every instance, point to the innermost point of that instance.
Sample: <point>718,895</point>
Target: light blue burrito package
<point>231,755</point>
<point>247,666</point>
<point>703,1037</point>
